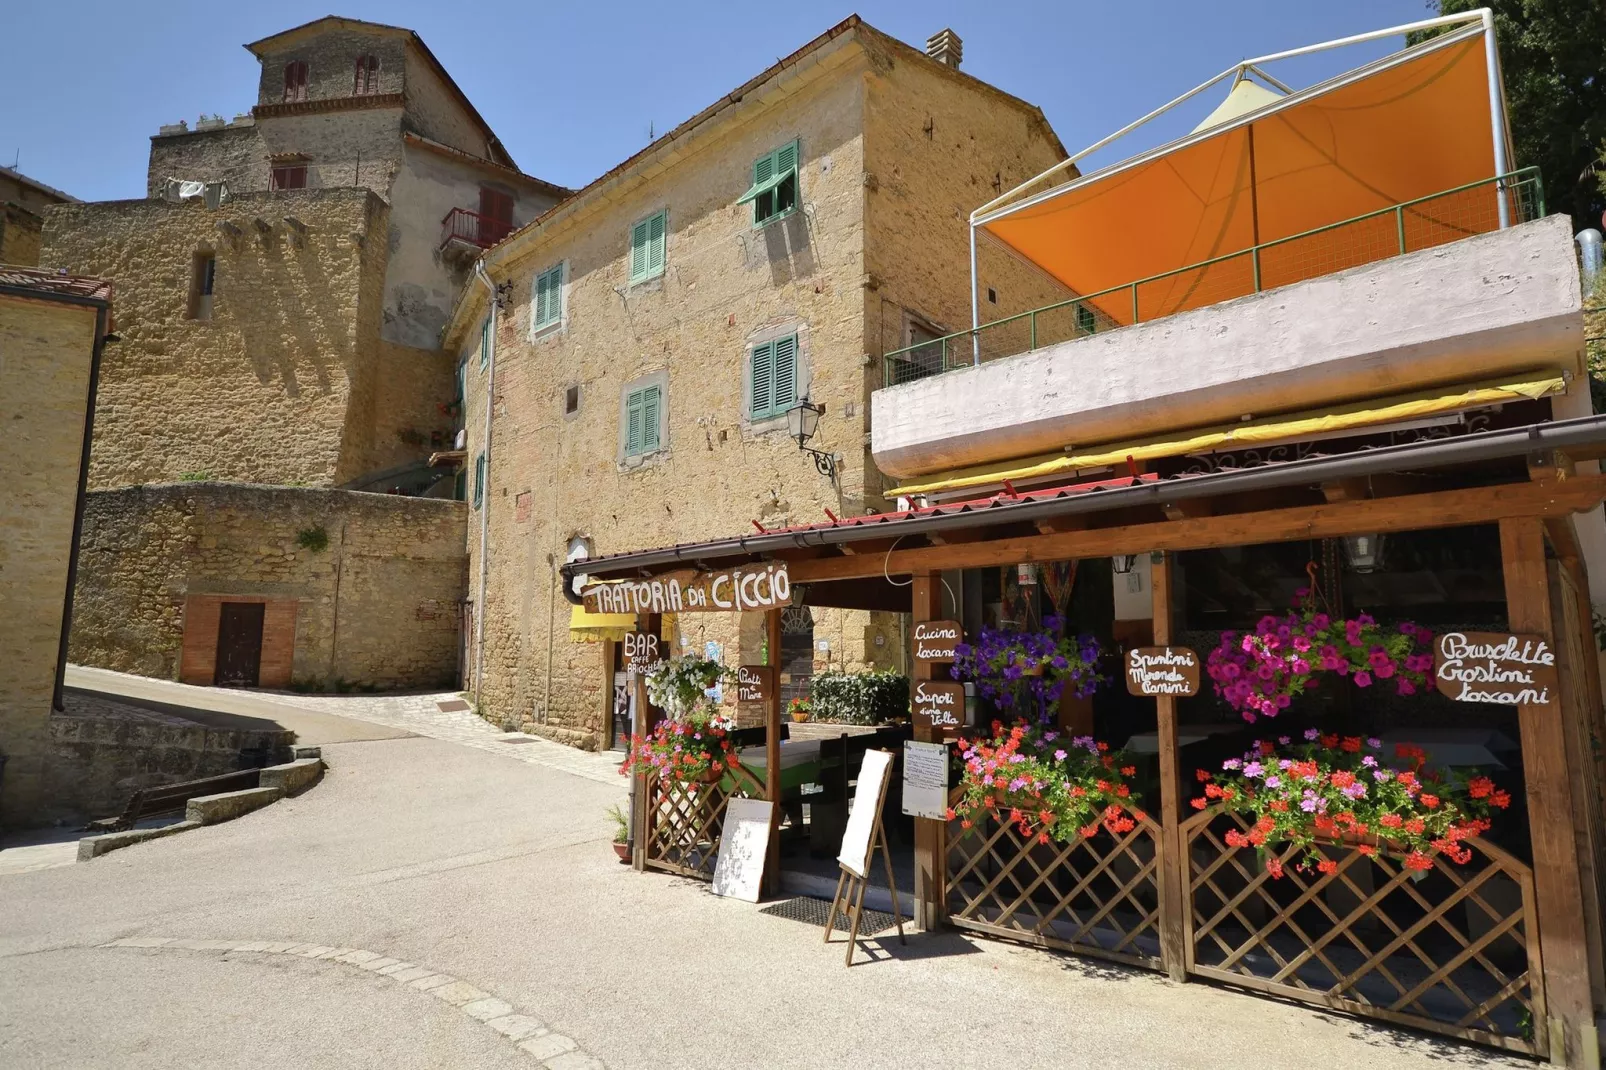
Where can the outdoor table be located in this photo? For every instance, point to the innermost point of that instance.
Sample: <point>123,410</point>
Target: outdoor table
<point>800,762</point>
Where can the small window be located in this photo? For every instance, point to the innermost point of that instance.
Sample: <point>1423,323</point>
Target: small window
<point>992,296</point>
<point>479,480</point>
<point>1086,322</point>
<point>462,386</point>
<point>485,343</point>
<point>202,277</point>
<point>774,189</point>
<point>367,79</point>
<point>549,297</point>
<point>290,177</point>
<point>773,372</point>
<point>648,247</point>
<point>295,81</point>
<point>571,401</point>
<point>642,410</point>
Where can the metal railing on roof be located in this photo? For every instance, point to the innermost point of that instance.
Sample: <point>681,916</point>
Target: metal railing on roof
<point>1409,226</point>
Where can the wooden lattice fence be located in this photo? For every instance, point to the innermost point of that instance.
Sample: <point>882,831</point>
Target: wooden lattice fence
<point>685,819</point>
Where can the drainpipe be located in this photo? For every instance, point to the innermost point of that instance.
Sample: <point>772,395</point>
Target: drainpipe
<point>1497,113</point>
<point>485,493</point>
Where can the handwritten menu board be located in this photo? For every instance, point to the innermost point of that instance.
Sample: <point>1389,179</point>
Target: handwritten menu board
<point>925,779</point>
<point>754,684</point>
<point>1162,670</point>
<point>1512,670</point>
<point>941,705</point>
<point>936,641</point>
<point>739,869</point>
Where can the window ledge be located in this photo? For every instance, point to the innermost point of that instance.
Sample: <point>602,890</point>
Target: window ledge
<point>637,461</point>
<point>776,218</point>
<point>554,328</point>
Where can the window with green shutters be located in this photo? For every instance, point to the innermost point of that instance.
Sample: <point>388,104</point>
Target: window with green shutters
<point>479,480</point>
<point>774,189</point>
<point>549,297</point>
<point>642,410</point>
<point>773,374</point>
<point>648,247</point>
<point>485,343</point>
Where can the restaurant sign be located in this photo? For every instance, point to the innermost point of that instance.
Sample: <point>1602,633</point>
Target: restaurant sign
<point>640,650</point>
<point>940,705</point>
<point>1511,670</point>
<point>1162,670</point>
<point>754,684</point>
<point>937,641</point>
<point>756,587</point>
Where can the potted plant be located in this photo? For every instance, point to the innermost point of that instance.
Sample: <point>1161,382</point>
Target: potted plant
<point>621,832</point>
<point>1338,790</point>
<point>693,743</point>
<point>799,709</point>
<point>1011,666</point>
<point>1047,786</point>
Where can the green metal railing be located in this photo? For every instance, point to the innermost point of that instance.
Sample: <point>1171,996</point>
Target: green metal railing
<point>1406,227</point>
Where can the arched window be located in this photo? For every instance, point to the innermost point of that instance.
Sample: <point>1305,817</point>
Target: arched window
<point>797,652</point>
<point>295,80</point>
<point>367,78</point>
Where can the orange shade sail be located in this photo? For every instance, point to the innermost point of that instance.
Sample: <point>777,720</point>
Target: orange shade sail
<point>1369,141</point>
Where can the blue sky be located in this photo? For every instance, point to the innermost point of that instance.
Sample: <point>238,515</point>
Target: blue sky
<point>572,89</point>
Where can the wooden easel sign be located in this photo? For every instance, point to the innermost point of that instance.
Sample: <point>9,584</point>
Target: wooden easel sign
<point>862,836</point>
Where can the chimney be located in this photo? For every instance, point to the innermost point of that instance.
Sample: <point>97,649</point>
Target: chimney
<point>945,47</point>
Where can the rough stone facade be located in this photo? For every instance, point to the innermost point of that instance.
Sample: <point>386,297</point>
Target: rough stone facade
<point>881,202</point>
<point>376,606</point>
<point>22,205</point>
<point>45,358</point>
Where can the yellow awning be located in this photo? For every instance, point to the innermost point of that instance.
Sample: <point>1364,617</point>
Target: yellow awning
<point>587,627</point>
<point>1292,427</point>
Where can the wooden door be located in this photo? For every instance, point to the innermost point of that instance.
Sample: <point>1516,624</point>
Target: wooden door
<point>496,215</point>
<point>239,644</point>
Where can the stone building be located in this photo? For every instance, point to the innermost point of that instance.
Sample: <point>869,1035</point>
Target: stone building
<point>655,328</point>
<point>282,288</point>
<point>22,204</point>
<point>52,329</point>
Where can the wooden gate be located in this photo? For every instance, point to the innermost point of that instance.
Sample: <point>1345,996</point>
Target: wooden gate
<point>1453,949</point>
<point>685,819</point>
<point>239,644</point>
<point>1097,896</point>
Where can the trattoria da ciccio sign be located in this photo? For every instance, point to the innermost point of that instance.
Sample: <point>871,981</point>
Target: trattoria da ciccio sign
<point>733,590</point>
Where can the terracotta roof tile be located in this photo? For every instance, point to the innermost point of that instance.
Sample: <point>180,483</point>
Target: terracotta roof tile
<point>51,282</point>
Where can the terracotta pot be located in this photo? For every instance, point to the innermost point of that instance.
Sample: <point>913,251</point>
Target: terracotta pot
<point>799,716</point>
<point>622,850</point>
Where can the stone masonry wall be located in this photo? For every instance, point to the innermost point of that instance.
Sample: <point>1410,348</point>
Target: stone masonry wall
<point>19,236</point>
<point>377,606</point>
<point>261,392</point>
<point>45,353</point>
<point>234,154</point>
<point>331,59</point>
<point>434,111</point>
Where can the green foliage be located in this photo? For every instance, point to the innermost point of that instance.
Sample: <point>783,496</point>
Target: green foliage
<point>677,685</point>
<point>859,697</point>
<point>202,476</point>
<point>315,539</point>
<point>621,824</point>
<point>1552,56</point>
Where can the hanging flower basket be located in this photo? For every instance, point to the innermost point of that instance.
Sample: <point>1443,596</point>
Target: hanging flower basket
<point>696,749</point>
<point>1339,790</point>
<point>1012,667</point>
<point>1047,786</point>
<point>1259,673</point>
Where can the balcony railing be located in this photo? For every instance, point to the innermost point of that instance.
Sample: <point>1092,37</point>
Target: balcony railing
<point>1406,227</point>
<point>480,231</point>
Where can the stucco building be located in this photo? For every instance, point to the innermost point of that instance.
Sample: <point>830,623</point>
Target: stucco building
<point>653,331</point>
<point>23,201</point>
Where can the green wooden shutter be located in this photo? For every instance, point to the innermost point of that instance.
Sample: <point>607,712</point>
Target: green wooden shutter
<point>785,373</point>
<point>485,343</point>
<point>479,480</point>
<point>763,376</point>
<point>633,425</point>
<point>656,242</point>
<point>549,296</point>
<point>638,250</point>
<point>786,158</point>
<point>649,419</point>
<point>763,168</point>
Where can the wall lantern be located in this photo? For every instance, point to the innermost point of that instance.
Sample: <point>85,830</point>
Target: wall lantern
<point>1363,552</point>
<point>1122,563</point>
<point>802,421</point>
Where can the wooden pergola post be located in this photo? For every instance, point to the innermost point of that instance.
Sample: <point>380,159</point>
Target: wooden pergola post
<point>931,835</point>
<point>1558,890</point>
<point>646,624</point>
<point>1173,933</point>
<point>772,749</point>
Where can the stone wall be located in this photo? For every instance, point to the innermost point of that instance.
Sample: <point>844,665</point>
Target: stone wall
<point>234,154</point>
<point>19,236</point>
<point>436,112</point>
<point>280,384</point>
<point>45,353</point>
<point>377,606</point>
<point>331,58</point>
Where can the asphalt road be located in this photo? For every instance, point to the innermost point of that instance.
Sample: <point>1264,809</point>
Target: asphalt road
<point>498,872</point>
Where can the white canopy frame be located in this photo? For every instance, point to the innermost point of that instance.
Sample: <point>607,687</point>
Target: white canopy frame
<point>1479,22</point>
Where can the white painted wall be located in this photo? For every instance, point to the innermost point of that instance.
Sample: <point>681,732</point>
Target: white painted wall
<point>1502,302</point>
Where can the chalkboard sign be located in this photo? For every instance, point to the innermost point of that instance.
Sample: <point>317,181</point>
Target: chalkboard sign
<point>743,843</point>
<point>940,705</point>
<point>1162,670</point>
<point>867,798</point>
<point>1512,670</point>
<point>936,641</point>
<point>754,684</point>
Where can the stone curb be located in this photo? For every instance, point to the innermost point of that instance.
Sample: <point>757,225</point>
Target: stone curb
<point>277,781</point>
<point>554,1051</point>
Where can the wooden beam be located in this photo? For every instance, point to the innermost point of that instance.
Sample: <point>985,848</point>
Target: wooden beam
<point>1173,919</point>
<point>931,839</point>
<point>1558,892</point>
<point>869,547</point>
<point>956,538</point>
<point>772,749</point>
<point>1184,510</point>
<point>1441,509</point>
<point>1346,490</point>
<point>1057,525</point>
<point>647,624</point>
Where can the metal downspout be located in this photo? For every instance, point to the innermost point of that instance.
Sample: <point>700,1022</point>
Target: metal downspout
<point>975,302</point>
<point>485,490</point>
<point>1497,114</point>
